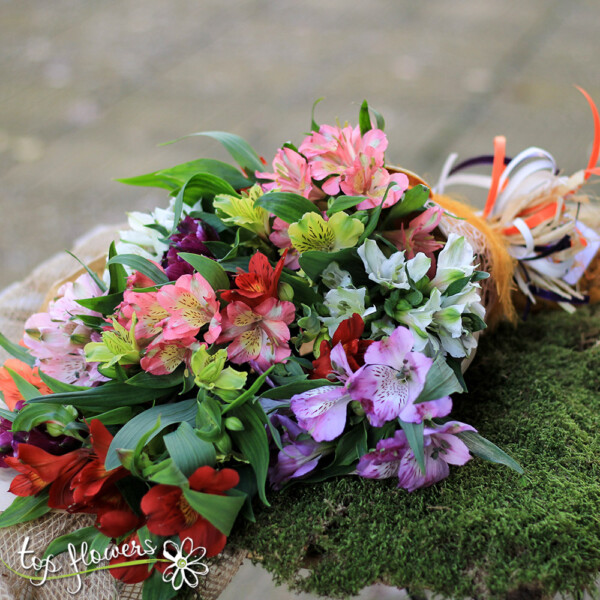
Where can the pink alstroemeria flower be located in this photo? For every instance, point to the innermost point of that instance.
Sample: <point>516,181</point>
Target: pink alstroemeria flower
<point>150,314</point>
<point>164,356</point>
<point>191,303</point>
<point>391,379</point>
<point>417,237</point>
<point>291,174</point>
<point>366,178</point>
<point>322,411</point>
<point>333,150</point>
<point>281,238</point>
<point>260,334</point>
<point>393,456</point>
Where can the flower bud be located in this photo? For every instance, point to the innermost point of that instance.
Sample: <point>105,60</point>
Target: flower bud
<point>224,444</point>
<point>234,424</point>
<point>285,291</point>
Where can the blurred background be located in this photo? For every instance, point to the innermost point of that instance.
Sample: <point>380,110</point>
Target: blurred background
<point>88,91</point>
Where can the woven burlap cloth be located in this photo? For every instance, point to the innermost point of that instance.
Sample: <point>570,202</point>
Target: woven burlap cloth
<point>17,303</point>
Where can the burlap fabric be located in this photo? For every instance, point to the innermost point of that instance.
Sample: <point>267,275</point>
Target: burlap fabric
<point>17,303</point>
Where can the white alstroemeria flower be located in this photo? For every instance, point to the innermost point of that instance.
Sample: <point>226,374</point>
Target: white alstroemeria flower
<point>392,272</point>
<point>469,297</point>
<point>419,319</point>
<point>333,277</point>
<point>342,304</point>
<point>454,262</point>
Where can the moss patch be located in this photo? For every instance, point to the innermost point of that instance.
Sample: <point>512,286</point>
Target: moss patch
<point>484,532</point>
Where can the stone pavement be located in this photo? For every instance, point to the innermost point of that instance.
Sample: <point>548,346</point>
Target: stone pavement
<point>89,89</point>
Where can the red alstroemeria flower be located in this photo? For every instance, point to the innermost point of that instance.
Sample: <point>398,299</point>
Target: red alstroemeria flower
<point>168,512</point>
<point>39,469</point>
<point>90,481</point>
<point>131,549</point>
<point>348,334</point>
<point>259,284</point>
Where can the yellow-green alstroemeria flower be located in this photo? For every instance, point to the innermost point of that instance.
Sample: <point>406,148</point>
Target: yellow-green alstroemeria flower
<point>117,346</point>
<point>313,232</point>
<point>210,374</point>
<point>242,212</point>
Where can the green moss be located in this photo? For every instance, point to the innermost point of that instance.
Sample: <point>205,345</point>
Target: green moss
<point>485,531</point>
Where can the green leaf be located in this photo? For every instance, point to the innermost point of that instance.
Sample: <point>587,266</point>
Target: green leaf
<point>155,588</point>
<point>314,262</point>
<point>19,352</point>
<point>116,416</point>
<point>91,273</point>
<point>284,392</point>
<point>413,199</point>
<point>379,120</point>
<point>238,148</point>
<point>59,386</point>
<point>351,446</point>
<point>374,217</point>
<point>479,275</point>
<point>117,273</point>
<point>415,438</point>
<point>89,535</point>
<point>441,381</point>
<point>208,419</point>
<point>128,437</point>
<point>165,472</point>
<point>246,486</point>
<point>364,119</point>
<point>210,269</point>
<point>25,508</point>
<point>457,286</point>
<point>141,265</point>
<point>287,206</point>
<point>209,218</point>
<point>32,415</point>
<point>173,178</point>
<point>188,451</point>
<point>9,415</point>
<point>103,304</point>
<point>249,393</point>
<point>314,126</point>
<point>105,396</point>
<point>233,264</point>
<point>485,449</point>
<point>147,380</point>
<point>26,389</point>
<point>254,444</point>
<point>303,293</point>
<point>343,203</point>
<point>221,511</point>
<point>199,186</point>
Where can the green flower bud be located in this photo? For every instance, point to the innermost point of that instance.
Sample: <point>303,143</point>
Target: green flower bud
<point>234,424</point>
<point>285,291</point>
<point>224,444</point>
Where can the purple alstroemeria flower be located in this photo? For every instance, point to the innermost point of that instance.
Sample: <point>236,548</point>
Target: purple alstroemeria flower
<point>393,456</point>
<point>192,233</point>
<point>322,411</point>
<point>298,457</point>
<point>391,379</point>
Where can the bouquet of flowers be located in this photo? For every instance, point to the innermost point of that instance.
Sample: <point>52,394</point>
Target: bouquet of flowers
<point>274,325</point>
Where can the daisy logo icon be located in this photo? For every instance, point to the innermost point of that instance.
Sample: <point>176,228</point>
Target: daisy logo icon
<point>185,567</point>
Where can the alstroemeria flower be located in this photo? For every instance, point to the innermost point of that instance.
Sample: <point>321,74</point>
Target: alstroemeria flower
<point>392,378</point>
<point>455,261</point>
<point>322,411</point>
<point>417,237</point>
<point>190,237</point>
<point>8,388</point>
<point>392,272</point>
<point>149,313</point>
<point>131,549</point>
<point>348,333</point>
<point>242,212</point>
<point>366,178</point>
<point>313,232</point>
<point>191,303</point>
<point>39,469</point>
<point>168,512</point>
<point>393,457</point>
<point>258,334</point>
<point>342,303</point>
<point>164,356</point>
<point>299,456</point>
<point>118,346</point>
<point>333,150</point>
<point>259,283</point>
<point>291,174</point>
<point>210,372</point>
